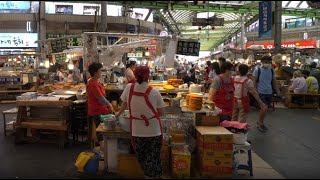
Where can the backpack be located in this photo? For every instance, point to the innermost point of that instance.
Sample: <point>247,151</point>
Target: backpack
<point>272,72</point>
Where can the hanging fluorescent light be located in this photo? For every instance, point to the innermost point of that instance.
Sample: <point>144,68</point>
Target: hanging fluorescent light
<point>28,26</point>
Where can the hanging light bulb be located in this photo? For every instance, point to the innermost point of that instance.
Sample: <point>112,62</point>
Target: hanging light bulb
<point>147,53</point>
<point>47,64</point>
<point>68,56</point>
<point>41,63</point>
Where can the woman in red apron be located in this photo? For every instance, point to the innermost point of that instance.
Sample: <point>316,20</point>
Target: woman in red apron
<point>145,107</point>
<point>222,91</point>
<point>241,98</point>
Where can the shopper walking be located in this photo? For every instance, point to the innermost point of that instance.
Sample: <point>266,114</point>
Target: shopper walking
<point>145,106</point>
<point>243,85</point>
<point>222,91</point>
<point>97,102</point>
<point>265,81</point>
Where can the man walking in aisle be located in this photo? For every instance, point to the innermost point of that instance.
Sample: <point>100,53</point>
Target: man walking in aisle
<point>265,81</point>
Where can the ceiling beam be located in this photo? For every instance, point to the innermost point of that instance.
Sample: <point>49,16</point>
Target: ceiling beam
<point>148,15</point>
<point>174,21</point>
<point>215,30</point>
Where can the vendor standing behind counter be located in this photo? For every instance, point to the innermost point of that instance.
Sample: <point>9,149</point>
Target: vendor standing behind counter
<point>145,107</point>
<point>129,74</point>
<point>76,72</point>
<point>97,103</point>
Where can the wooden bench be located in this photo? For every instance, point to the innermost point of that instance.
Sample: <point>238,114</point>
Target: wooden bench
<point>43,115</point>
<point>308,101</point>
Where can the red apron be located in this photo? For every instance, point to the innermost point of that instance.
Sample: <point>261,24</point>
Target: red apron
<point>244,99</point>
<point>142,117</point>
<point>132,81</point>
<point>221,100</point>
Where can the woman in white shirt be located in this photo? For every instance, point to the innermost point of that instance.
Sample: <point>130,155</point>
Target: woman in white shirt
<point>129,74</point>
<point>145,106</point>
<point>60,74</point>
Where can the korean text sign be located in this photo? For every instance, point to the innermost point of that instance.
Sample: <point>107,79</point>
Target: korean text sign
<point>265,19</point>
<point>18,40</point>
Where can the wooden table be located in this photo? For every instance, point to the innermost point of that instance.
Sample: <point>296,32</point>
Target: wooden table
<point>110,152</point>
<point>4,113</point>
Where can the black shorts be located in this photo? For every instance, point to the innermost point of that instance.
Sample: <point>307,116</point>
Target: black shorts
<point>266,99</point>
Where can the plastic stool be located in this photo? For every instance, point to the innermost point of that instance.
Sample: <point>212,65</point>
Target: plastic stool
<point>245,147</point>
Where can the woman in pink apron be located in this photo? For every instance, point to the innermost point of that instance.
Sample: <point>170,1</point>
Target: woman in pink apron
<point>145,106</point>
<point>242,86</point>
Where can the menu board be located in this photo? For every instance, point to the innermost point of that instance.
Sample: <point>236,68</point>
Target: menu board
<point>188,48</point>
<point>60,58</point>
<point>59,46</point>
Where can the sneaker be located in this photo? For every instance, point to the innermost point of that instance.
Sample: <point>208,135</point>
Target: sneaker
<point>262,128</point>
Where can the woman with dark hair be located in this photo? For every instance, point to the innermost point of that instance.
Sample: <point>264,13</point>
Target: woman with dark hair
<point>97,102</point>
<point>222,91</point>
<point>145,106</point>
<point>60,75</point>
<point>129,74</point>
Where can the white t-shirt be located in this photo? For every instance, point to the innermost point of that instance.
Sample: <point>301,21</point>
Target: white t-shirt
<point>238,87</point>
<point>129,74</point>
<point>212,74</point>
<point>60,75</point>
<point>139,107</point>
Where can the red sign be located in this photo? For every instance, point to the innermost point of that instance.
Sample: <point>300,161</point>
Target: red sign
<point>292,44</point>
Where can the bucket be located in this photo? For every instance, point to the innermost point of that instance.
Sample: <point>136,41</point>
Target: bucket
<point>109,122</point>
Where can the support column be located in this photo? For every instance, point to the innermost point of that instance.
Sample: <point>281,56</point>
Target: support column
<point>277,26</point>
<point>242,43</point>
<point>43,29</point>
<point>90,50</point>
<point>103,20</point>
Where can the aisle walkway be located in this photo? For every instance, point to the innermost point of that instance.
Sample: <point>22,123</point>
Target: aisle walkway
<point>291,146</point>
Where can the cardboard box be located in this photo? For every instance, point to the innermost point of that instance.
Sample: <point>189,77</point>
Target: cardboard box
<point>180,162</point>
<point>216,153</point>
<point>214,142</point>
<point>211,135</point>
<point>215,167</point>
<point>129,167</point>
<point>177,137</point>
<point>209,121</point>
<point>165,159</point>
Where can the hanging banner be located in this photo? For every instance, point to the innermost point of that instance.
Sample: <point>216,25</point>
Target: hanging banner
<point>265,19</point>
<point>289,44</point>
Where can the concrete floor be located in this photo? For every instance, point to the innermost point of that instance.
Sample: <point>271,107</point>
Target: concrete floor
<point>290,147</point>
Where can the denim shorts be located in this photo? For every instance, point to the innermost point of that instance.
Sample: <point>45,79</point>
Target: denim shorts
<point>266,99</point>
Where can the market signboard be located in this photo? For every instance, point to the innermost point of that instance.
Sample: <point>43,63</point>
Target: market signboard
<point>15,6</point>
<point>135,55</point>
<point>265,19</point>
<point>18,40</point>
<point>78,41</point>
<point>291,44</point>
<point>188,48</point>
